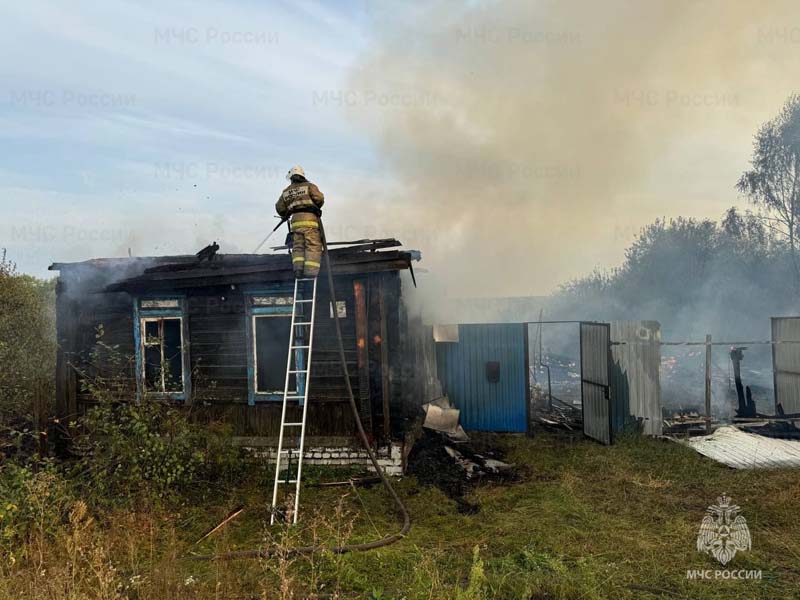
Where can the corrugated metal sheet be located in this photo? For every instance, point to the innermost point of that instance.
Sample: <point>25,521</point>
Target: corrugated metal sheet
<point>635,381</point>
<point>786,362</point>
<point>462,368</point>
<point>595,382</point>
<point>741,450</point>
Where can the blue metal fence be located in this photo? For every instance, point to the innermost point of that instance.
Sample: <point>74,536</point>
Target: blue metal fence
<point>485,374</point>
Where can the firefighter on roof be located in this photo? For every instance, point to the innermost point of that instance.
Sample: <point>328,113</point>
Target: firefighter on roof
<point>302,202</point>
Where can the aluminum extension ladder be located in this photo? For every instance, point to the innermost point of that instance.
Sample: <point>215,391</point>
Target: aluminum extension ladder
<point>302,331</point>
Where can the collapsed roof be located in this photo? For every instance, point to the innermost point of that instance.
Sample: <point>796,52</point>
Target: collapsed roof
<point>188,271</point>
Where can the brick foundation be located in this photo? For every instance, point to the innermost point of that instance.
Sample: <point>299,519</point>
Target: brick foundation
<point>390,458</point>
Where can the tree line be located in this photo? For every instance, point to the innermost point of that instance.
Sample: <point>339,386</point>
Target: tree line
<point>724,277</point>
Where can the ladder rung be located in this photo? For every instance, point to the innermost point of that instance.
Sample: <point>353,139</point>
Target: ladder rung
<point>289,481</point>
<point>295,397</point>
<point>300,347</point>
<point>304,323</point>
<point>311,300</point>
<point>292,424</point>
<point>299,371</point>
<point>305,279</point>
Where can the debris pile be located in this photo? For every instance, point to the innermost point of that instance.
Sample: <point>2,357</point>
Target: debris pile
<point>687,423</point>
<point>559,416</point>
<point>782,430</point>
<point>443,456</point>
<point>454,467</point>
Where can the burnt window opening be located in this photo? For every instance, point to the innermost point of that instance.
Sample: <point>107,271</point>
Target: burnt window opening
<point>162,364</point>
<point>271,345</point>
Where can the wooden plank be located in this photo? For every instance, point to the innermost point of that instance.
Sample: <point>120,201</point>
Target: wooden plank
<point>363,353</point>
<point>356,246</point>
<point>396,324</point>
<point>373,337</point>
<point>383,343</point>
<point>372,267</point>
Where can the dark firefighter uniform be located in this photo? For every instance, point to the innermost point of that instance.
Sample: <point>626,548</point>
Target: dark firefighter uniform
<point>302,200</point>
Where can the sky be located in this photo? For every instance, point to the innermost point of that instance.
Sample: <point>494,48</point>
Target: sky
<point>516,144</point>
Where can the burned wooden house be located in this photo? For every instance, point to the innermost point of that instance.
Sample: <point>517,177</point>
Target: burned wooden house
<point>213,335</point>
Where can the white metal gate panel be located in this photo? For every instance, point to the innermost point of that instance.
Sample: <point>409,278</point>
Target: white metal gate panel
<point>595,390</point>
<point>635,375</point>
<point>786,362</point>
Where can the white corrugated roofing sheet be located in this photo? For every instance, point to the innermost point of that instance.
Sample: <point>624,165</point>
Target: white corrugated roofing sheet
<point>740,450</point>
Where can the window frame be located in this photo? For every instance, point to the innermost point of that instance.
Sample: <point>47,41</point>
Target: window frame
<point>255,311</point>
<point>154,314</point>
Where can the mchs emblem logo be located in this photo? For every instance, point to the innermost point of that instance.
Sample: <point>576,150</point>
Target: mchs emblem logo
<point>723,531</point>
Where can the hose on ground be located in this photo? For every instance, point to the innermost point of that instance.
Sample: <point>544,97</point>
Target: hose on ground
<point>384,541</point>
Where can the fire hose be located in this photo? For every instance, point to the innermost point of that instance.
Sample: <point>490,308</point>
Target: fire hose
<point>379,543</point>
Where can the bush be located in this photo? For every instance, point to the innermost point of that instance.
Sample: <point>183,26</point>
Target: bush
<point>31,502</point>
<point>27,343</point>
<point>145,450</point>
<point>150,450</point>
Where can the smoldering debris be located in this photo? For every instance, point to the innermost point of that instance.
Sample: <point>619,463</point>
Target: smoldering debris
<point>782,430</point>
<point>685,423</point>
<point>455,467</point>
<point>442,456</point>
<point>559,416</point>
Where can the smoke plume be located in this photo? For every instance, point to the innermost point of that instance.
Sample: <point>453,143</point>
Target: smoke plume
<point>529,141</point>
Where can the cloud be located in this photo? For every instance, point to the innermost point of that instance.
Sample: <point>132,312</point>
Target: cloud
<point>172,123</point>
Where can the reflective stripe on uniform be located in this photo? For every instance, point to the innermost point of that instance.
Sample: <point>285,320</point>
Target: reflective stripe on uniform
<point>304,224</point>
<point>300,204</point>
<point>311,263</point>
<point>298,259</point>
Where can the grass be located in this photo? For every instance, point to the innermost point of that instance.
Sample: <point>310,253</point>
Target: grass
<point>583,521</point>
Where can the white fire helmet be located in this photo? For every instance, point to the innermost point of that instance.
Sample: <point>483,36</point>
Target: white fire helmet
<point>295,170</point>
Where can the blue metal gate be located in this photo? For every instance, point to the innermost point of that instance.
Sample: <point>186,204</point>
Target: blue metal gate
<point>485,374</point>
